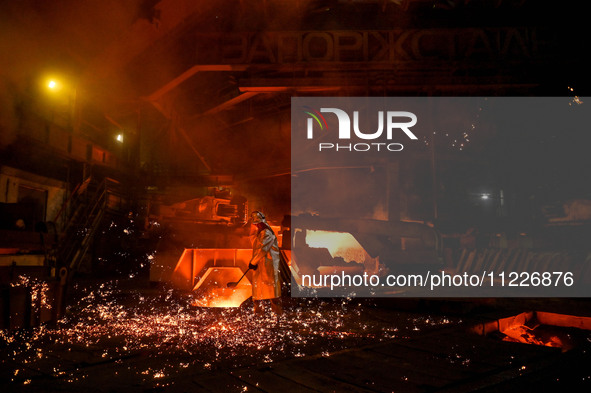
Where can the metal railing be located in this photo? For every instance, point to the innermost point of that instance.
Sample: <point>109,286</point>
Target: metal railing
<point>81,217</point>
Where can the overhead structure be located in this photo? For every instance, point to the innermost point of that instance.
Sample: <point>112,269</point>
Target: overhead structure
<point>229,69</point>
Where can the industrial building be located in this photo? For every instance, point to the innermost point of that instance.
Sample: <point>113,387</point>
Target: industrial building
<point>136,137</point>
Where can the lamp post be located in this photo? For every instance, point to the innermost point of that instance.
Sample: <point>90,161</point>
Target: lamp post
<point>63,95</point>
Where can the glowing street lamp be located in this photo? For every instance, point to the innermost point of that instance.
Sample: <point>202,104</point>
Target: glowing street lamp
<point>61,98</point>
<point>54,84</point>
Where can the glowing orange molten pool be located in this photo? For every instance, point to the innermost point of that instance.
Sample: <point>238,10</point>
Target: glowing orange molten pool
<point>212,289</point>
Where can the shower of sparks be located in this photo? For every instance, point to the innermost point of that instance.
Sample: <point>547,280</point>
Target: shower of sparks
<point>39,292</point>
<point>575,99</point>
<point>167,336</point>
<point>455,142</point>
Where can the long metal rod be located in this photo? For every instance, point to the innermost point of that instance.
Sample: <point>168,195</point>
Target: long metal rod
<point>233,284</point>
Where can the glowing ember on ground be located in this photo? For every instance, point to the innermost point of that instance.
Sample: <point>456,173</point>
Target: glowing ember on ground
<point>160,328</point>
<point>39,290</point>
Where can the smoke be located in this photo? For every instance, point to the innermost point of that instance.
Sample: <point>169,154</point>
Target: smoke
<point>38,37</point>
<point>19,49</point>
<point>8,116</point>
<point>360,192</point>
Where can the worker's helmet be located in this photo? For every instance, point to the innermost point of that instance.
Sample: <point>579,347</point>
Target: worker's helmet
<point>257,216</point>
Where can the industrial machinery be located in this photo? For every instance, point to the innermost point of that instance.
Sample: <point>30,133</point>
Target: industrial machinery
<point>318,246</point>
<point>206,271</point>
<point>322,246</point>
<point>216,208</point>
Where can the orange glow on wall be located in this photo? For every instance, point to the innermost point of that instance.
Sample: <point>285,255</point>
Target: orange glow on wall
<point>338,244</point>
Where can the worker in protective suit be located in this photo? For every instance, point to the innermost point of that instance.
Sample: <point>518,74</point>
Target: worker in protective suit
<point>266,281</point>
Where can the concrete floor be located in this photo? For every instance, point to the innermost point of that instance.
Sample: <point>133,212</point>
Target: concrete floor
<point>128,336</point>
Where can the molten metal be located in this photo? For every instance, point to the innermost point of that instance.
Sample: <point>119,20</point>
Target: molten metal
<point>212,290</point>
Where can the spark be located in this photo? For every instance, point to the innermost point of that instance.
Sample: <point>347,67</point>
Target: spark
<point>114,323</point>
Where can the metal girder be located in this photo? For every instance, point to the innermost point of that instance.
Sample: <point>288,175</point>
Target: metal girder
<point>172,84</point>
<point>225,105</point>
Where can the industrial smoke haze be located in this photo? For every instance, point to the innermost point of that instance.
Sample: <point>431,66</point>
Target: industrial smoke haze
<point>8,119</point>
<point>41,37</point>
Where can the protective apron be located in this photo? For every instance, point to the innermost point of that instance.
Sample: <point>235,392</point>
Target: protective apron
<point>266,281</point>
